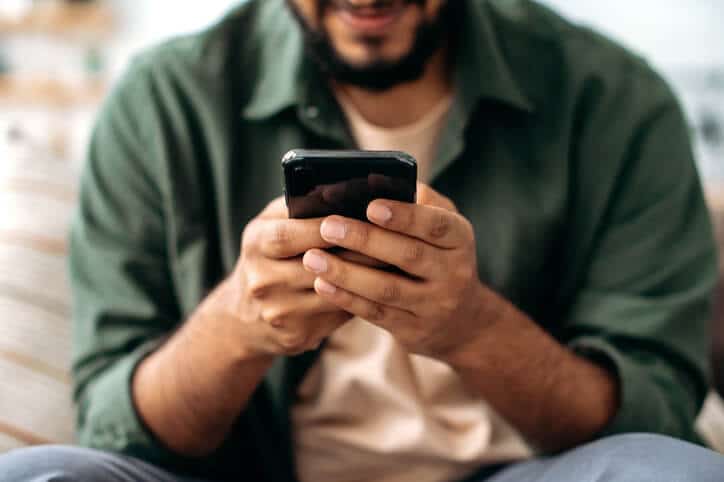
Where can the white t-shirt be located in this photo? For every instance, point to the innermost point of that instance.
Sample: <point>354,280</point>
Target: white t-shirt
<point>370,411</point>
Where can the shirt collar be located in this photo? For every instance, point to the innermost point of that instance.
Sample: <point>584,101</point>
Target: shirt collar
<point>481,67</point>
<point>286,77</point>
<point>281,63</point>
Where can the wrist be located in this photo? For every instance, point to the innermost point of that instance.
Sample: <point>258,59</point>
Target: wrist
<point>217,334</point>
<point>218,325</point>
<point>487,316</point>
<point>192,377</point>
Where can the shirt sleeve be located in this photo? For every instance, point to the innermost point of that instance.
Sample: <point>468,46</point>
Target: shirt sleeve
<point>124,301</point>
<point>644,303</point>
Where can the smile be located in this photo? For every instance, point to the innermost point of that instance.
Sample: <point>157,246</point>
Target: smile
<point>371,20</point>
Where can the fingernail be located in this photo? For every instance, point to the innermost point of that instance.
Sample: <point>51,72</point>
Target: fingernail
<point>325,287</point>
<point>379,212</point>
<point>333,229</point>
<point>315,262</point>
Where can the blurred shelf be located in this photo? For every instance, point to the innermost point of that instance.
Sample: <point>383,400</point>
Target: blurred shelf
<point>49,92</point>
<point>92,20</point>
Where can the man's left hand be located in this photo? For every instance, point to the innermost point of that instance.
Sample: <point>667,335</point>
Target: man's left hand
<point>433,307</point>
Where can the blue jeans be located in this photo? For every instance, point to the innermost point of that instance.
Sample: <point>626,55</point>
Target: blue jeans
<point>624,458</point>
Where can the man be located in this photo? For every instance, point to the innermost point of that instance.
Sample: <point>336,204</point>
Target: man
<point>554,279</point>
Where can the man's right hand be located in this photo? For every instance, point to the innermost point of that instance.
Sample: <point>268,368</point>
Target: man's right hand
<point>192,389</point>
<point>270,297</point>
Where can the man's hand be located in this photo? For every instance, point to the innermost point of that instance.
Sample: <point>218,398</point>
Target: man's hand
<point>272,295</point>
<point>192,389</point>
<point>431,307</point>
<point>439,308</point>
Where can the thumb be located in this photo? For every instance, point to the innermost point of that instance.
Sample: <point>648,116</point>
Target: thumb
<point>275,209</point>
<point>428,196</point>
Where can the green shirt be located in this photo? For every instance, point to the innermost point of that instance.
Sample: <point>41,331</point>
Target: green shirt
<point>570,157</point>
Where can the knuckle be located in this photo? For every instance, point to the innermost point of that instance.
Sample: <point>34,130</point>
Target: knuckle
<point>277,239</point>
<point>293,341</point>
<point>258,290</point>
<point>257,287</point>
<point>439,225</point>
<point>390,292</point>
<point>278,322</point>
<point>375,312</point>
<point>360,235</point>
<point>408,219</point>
<point>413,253</point>
<point>338,274</point>
<point>274,316</point>
<point>279,234</point>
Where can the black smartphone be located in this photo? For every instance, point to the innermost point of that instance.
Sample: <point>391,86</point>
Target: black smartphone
<point>320,183</point>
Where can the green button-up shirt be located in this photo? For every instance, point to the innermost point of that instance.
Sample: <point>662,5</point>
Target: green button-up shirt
<point>570,157</point>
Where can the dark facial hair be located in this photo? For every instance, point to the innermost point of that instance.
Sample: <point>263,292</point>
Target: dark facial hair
<point>379,75</point>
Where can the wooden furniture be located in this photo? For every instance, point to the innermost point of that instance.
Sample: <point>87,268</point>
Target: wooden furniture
<point>76,20</point>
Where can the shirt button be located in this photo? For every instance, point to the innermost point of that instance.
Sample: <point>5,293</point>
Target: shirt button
<point>311,111</point>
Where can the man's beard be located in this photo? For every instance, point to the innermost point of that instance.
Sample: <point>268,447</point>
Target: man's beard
<point>381,74</point>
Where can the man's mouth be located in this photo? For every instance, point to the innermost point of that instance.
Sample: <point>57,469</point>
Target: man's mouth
<point>373,19</point>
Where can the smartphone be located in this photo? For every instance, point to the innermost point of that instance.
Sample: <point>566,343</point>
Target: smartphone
<point>319,183</point>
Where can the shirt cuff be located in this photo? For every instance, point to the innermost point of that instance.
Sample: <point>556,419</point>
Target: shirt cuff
<point>108,419</point>
<point>644,404</point>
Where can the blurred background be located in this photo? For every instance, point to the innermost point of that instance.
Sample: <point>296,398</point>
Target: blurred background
<point>59,58</point>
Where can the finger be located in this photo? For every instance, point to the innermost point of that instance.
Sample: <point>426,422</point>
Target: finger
<point>277,208</point>
<point>376,313</point>
<point>358,258</point>
<point>437,226</point>
<point>286,238</point>
<point>308,333</point>
<point>375,285</point>
<point>285,310</point>
<point>263,278</point>
<point>409,254</point>
<point>428,196</point>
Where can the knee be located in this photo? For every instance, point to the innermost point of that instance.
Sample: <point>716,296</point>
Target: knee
<point>652,458</point>
<point>52,463</point>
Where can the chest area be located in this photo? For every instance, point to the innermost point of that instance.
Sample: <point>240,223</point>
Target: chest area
<point>515,200</point>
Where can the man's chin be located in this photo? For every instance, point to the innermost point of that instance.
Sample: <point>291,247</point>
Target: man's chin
<point>376,73</point>
<point>371,70</point>
<point>368,62</point>
<point>377,77</point>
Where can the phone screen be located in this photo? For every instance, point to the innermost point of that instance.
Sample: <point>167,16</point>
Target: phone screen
<point>321,183</point>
